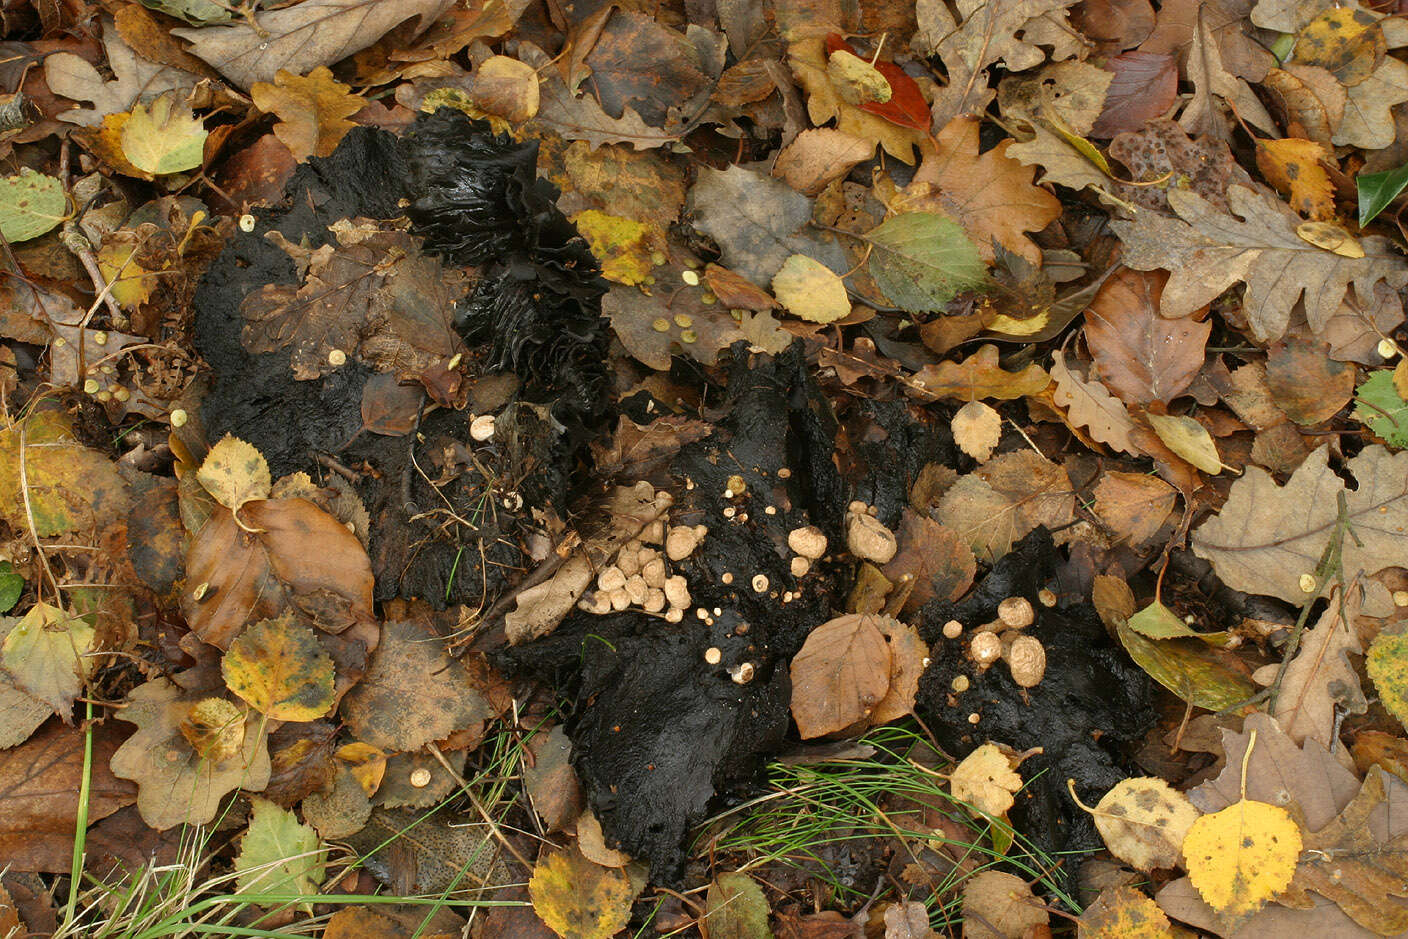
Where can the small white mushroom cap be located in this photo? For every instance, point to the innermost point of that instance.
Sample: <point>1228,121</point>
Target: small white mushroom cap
<point>482,427</point>
<point>808,542</point>
<point>869,540</point>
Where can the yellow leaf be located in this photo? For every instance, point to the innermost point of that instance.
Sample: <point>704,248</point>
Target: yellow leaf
<point>622,245</point>
<point>811,290</point>
<point>1293,166</point>
<point>1189,439</point>
<point>1331,237</point>
<point>45,650</point>
<point>214,728</point>
<point>1144,822</point>
<point>985,780</point>
<point>165,138</point>
<point>977,429</point>
<point>1347,42</point>
<point>1242,856</point>
<point>507,88</point>
<point>1124,913</point>
<point>279,669</point>
<point>234,472</point>
<point>579,899</point>
<point>313,111</point>
<point>856,80</point>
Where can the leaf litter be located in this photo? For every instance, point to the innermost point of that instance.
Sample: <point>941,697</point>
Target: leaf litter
<point>374,374</point>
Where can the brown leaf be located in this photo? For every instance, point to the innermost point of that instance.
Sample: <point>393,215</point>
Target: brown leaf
<point>1321,684</point>
<point>1004,499</point>
<point>819,157</point>
<point>998,905</point>
<point>978,376</point>
<point>235,576</point>
<point>1208,251</point>
<point>990,194</point>
<point>1145,87</point>
<point>39,784</point>
<point>550,780</point>
<point>302,37</point>
<point>841,673</point>
<point>312,110</point>
<point>1312,99</point>
<point>638,450</point>
<point>640,63</point>
<point>1134,505</point>
<point>1140,355</point>
<point>1267,536</point>
<point>1307,385</point>
<point>582,118</point>
<point>133,78</point>
<point>414,692</point>
<point>909,656</point>
<point>1089,405</point>
<point>939,561</point>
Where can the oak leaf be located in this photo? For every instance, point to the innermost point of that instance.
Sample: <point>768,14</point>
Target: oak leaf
<point>1089,405</point>
<point>313,111</point>
<point>978,376</point>
<point>1207,251</point>
<point>134,78</point>
<point>1267,536</point>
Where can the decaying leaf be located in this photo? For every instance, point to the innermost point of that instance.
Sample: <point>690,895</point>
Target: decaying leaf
<point>48,655</point>
<point>1267,536</point>
<point>1144,822</point>
<point>978,376</point>
<point>998,905</point>
<point>50,483</point>
<point>313,111</point>
<point>921,260</point>
<point>977,429</point>
<point>278,668</point>
<point>737,908</point>
<point>1005,498</point>
<point>841,673</point>
<point>1124,913</point>
<point>986,780</point>
<point>578,898</point>
<point>1320,685</point>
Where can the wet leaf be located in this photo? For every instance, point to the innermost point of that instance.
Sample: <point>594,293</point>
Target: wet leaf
<point>1190,669</point>
<point>579,899</point>
<point>279,669</point>
<point>909,656</point>
<point>841,673</point>
<point>278,854</point>
<point>1189,439</point>
<point>313,111</point>
<point>1243,856</point>
<point>175,784</point>
<point>1134,505</point>
<point>998,905</point>
<point>977,429</point>
<point>937,559</point>
<point>1379,404</point>
<point>48,653</point>
<point>1378,190</point>
<point>986,780</point>
<point>163,137</point>
<point>30,205</point>
<point>234,472</point>
<point>1124,913</point>
<point>1293,166</point>
<point>1089,405</point>
<point>1144,822</point>
<point>811,290</point>
<point>979,376</point>
<point>1321,685</point>
<point>622,245</point>
<point>1004,499</point>
<point>736,908</point>
<point>922,260</point>
<point>61,485</point>
<point>1387,665</point>
<point>1140,355</point>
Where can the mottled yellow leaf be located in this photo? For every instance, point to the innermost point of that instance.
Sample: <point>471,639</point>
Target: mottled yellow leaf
<point>234,472</point>
<point>985,780</point>
<point>279,669</point>
<point>44,652</point>
<point>1144,822</point>
<point>622,245</point>
<point>811,290</point>
<point>1241,857</point>
<point>579,899</point>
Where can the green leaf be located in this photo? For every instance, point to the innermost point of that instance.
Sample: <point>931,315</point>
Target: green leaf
<point>1387,665</point>
<point>737,908</point>
<point>1377,190</point>
<point>30,204</point>
<point>279,854</point>
<point>1157,621</point>
<point>1189,669</point>
<point>921,260</point>
<point>165,138</point>
<point>1378,404</point>
<point>11,586</point>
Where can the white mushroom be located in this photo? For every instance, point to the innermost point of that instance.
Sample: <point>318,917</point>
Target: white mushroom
<point>807,541</point>
<point>677,591</point>
<point>799,566</point>
<point>654,600</point>
<point>1026,658</point>
<point>869,540</point>
<point>985,648</point>
<point>680,543</point>
<point>654,572</point>
<point>611,578</point>
<point>636,588</point>
<point>1016,612</point>
<point>482,427</point>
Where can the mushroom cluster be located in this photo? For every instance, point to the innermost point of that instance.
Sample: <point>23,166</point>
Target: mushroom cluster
<point>1003,639</point>
<point>639,575</point>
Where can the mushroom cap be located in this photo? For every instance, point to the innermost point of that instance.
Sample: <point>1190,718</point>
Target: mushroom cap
<point>1026,658</point>
<point>808,542</point>
<point>1016,612</point>
<point>985,648</point>
<point>869,540</point>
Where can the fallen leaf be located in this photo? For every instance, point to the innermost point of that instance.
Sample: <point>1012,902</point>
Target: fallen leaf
<point>990,194</point>
<point>1089,405</point>
<point>163,138</point>
<point>300,38</point>
<point>818,157</point>
<point>1308,385</point>
<point>622,245</point>
<point>757,222</point>
<point>1189,439</point>
<point>1293,166</point>
<point>1242,856</point>
<point>908,920</point>
<point>30,204</point>
<point>736,908</point>
<point>48,654</point>
<point>41,779</point>
<point>175,784</point>
<point>978,376</point>
<point>592,842</point>
<point>1124,913</point>
<point>234,576</point>
<point>811,290</point>
<point>1144,822</point>
<point>1145,86</point>
<point>1207,251</point>
<point>1134,505</point>
<point>986,780</point>
<point>580,899</point>
<point>1387,665</point>
<point>808,60</point>
<point>1267,536</point>
<point>1380,405</point>
<point>278,668</point>
<point>909,656</point>
<point>1140,355</point>
<point>998,905</point>
<point>50,484</point>
<point>977,429</point>
<point>134,78</point>
<point>1358,860</point>
<point>235,472</point>
<point>507,88</point>
<point>856,80</point>
<point>560,111</point>
<point>937,559</point>
<point>413,692</point>
<point>922,260</point>
<point>278,853</point>
<point>841,673</point>
<point>313,111</point>
<point>1189,668</point>
<point>1347,43</point>
<point>1005,499</point>
<point>552,785</point>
